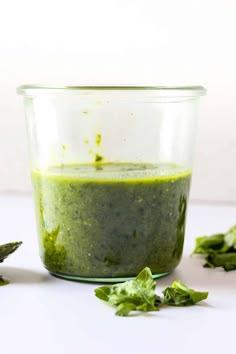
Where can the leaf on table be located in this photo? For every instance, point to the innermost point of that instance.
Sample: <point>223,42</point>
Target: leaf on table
<point>225,260</point>
<point>220,249</point>
<point>7,249</point>
<point>228,267</point>
<point>3,281</point>
<point>133,295</point>
<point>230,238</point>
<point>103,292</point>
<point>209,244</point>
<point>180,295</point>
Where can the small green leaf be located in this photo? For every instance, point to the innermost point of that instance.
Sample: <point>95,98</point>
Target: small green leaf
<point>228,267</point>
<point>103,293</point>
<point>220,249</point>
<point>145,280</point>
<point>3,281</point>
<point>230,238</point>
<point>180,295</point>
<point>209,244</point>
<point>7,249</point>
<point>225,260</point>
<point>125,308</point>
<point>133,295</point>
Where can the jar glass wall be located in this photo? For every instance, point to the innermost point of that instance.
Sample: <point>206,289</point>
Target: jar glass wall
<point>111,170</point>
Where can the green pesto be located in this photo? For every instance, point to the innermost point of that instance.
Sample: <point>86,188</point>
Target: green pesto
<point>111,222</point>
<point>98,139</point>
<point>98,158</point>
<point>64,147</point>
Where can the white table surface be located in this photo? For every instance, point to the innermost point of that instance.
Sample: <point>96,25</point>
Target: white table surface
<point>42,314</point>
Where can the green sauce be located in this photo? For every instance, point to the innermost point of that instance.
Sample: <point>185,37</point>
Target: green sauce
<point>98,139</point>
<point>112,221</point>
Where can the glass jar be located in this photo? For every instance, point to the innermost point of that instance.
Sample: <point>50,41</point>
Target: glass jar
<point>111,170</point>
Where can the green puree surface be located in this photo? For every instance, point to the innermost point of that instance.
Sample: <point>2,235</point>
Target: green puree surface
<point>111,221</point>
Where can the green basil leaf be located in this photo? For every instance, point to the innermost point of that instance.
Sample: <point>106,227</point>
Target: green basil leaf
<point>3,281</point>
<point>225,260</point>
<point>209,244</point>
<point>7,249</point>
<point>103,293</point>
<point>180,295</point>
<point>228,267</point>
<point>133,295</point>
<point>220,249</point>
<point>230,238</point>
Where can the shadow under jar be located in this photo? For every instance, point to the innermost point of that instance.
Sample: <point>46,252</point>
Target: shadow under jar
<point>111,170</point>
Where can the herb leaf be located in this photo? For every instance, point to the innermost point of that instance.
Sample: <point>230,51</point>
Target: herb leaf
<point>180,295</point>
<point>220,249</point>
<point>133,295</point>
<point>139,294</point>
<point>209,244</point>
<point>230,238</point>
<point>103,293</point>
<point>225,260</point>
<point>3,281</point>
<point>7,249</point>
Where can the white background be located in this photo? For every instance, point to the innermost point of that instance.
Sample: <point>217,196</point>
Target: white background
<point>139,42</point>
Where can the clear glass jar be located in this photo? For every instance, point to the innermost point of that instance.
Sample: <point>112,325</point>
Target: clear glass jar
<point>111,170</point>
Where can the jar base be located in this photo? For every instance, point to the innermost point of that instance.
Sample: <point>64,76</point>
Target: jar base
<point>100,280</point>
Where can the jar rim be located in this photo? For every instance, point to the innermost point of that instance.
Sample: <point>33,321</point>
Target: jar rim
<point>186,91</point>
